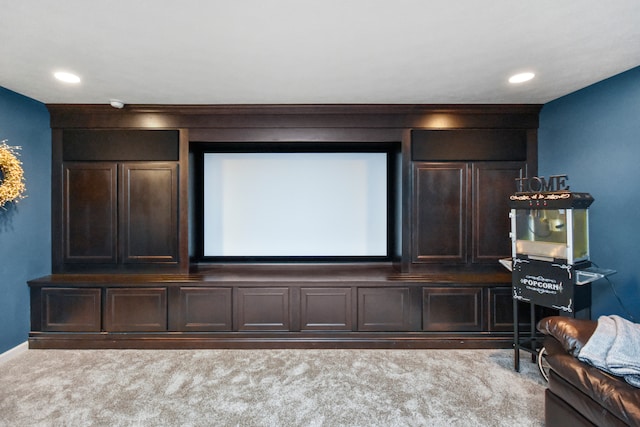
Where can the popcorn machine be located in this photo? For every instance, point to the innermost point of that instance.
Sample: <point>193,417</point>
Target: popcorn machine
<point>550,249</point>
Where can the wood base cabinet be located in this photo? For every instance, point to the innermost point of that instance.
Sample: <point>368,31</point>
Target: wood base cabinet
<point>138,311</point>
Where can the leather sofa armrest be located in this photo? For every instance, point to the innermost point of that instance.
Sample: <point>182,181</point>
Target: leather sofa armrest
<point>572,333</point>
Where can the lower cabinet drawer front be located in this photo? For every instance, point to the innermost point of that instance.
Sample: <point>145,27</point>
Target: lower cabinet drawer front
<point>384,309</point>
<point>70,310</point>
<point>205,309</point>
<point>325,309</point>
<point>135,310</point>
<point>263,309</point>
<point>452,309</point>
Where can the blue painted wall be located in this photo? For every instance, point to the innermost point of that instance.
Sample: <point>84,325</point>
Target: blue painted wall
<point>593,135</point>
<point>25,227</point>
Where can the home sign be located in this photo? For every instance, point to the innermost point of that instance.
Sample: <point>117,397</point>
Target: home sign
<point>538,184</point>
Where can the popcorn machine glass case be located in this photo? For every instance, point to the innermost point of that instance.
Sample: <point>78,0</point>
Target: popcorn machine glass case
<point>548,234</point>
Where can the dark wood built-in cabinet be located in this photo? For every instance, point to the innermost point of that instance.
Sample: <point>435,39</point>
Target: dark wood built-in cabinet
<point>461,184</point>
<point>374,308</point>
<point>125,200</point>
<point>122,212</point>
<point>461,211</point>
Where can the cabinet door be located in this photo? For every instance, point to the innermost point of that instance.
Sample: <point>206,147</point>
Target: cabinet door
<point>440,212</point>
<point>70,309</point>
<point>135,310</point>
<point>149,213</point>
<point>452,309</point>
<point>204,309</point>
<point>500,311</point>
<point>493,183</point>
<point>325,309</point>
<point>384,309</point>
<point>90,212</point>
<point>263,309</point>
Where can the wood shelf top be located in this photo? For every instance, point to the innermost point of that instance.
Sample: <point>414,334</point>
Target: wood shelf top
<point>270,274</point>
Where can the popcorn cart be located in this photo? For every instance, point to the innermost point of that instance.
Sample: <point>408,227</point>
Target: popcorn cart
<point>550,261</point>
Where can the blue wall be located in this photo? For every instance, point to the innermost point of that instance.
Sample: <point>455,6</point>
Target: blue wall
<point>593,135</point>
<point>25,227</point>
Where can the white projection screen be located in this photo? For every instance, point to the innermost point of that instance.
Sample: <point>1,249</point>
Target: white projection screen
<point>295,204</point>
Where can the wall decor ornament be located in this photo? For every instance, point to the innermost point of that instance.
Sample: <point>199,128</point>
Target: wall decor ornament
<point>12,186</point>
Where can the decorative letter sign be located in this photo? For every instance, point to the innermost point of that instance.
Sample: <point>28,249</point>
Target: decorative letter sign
<point>538,184</point>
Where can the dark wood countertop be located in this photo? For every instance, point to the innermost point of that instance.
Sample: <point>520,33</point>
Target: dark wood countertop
<point>374,274</point>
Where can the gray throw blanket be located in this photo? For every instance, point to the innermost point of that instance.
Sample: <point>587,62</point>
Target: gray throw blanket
<point>614,347</point>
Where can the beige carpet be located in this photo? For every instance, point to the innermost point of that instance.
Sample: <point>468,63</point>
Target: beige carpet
<point>269,388</point>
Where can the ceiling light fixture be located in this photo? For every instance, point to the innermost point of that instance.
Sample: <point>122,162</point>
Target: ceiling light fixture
<point>63,76</point>
<point>521,78</point>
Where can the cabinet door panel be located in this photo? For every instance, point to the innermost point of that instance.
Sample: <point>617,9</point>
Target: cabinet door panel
<point>70,310</point>
<point>493,183</point>
<point>325,308</point>
<point>205,309</point>
<point>440,213</point>
<point>263,309</point>
<point>384,309</point>
<point>452,309</point>
<point>501,311</point>
<point>90,212</point>
<point>135,310</point>
<point>149,212</point>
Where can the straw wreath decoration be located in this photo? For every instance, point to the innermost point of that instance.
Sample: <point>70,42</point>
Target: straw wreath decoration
<point>12,186</point>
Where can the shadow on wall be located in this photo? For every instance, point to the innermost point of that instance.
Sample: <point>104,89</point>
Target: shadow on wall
<point>7,214</point>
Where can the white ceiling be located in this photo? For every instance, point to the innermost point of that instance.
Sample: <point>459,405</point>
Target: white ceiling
<point>314,51</point>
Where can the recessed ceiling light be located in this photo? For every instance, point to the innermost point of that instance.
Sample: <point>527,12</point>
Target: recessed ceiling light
<point>66,77</point>
<point>116,103</point>
<point>521,78</point>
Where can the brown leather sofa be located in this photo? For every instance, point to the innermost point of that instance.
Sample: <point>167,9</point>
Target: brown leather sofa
<point>579,394</point>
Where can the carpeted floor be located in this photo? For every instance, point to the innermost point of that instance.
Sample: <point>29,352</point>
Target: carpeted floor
<point>269,388</point>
